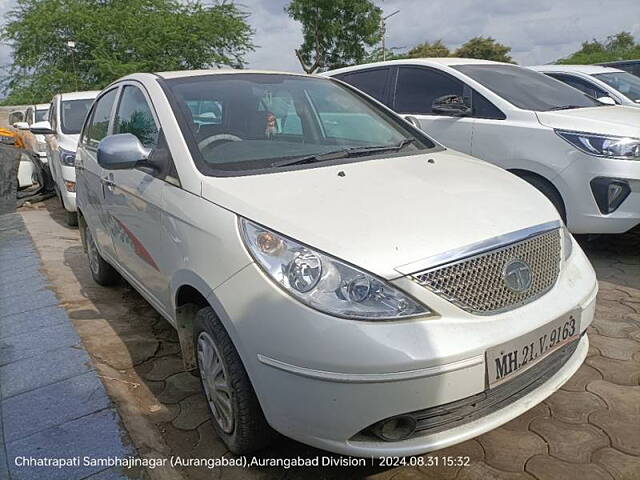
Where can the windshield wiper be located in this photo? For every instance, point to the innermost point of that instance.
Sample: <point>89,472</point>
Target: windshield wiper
<point>347,152</point>
<point>567,107</point>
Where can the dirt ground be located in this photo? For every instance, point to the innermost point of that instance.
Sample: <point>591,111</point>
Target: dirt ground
<point>587,430</point>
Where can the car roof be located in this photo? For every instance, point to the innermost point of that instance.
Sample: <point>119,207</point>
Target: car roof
<point>222,71</point>
<point>430,62</point>
<point>42,106</point>
<point>586,69</point>
<point>79,95</point>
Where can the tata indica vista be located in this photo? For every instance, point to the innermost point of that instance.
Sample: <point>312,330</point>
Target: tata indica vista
<point>333,273</point>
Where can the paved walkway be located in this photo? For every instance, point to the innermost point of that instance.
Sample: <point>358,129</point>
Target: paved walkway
<point>590,429</point>
<point>52,403</point>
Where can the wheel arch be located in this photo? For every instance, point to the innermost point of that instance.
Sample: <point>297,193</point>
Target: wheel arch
<point>523,173</point>
<point>190,294</point>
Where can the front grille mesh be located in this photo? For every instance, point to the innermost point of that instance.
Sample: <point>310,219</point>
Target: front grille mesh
<point>476,284</point>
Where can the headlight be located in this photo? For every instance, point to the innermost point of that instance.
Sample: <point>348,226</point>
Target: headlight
<point>623,148</point>
<point>567,243</point>
<point>323,282</point>
<point>67,158</point>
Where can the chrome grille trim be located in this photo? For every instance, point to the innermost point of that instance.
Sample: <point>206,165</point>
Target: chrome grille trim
<point>476,283</point>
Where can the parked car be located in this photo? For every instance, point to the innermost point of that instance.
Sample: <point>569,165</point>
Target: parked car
<point>28,171</point>
<point>631,66</point>
<point>66,116</point>
<point>583,155</point>
<point>334,274</point>
<point>36,143</point>
<point>15,116</point>
<point>598,82</point>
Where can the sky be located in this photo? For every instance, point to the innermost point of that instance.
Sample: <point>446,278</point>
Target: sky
<point>538,31</point>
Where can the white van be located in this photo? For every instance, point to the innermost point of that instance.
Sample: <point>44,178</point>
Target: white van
<point>66,116</point>
<point>582,154</point>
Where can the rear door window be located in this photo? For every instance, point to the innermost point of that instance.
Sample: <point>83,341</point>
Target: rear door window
<point>373,82</point>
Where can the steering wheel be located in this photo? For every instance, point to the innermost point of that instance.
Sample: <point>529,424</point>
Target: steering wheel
<point>220,137</point>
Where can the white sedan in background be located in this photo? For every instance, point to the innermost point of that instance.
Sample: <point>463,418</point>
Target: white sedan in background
<point>599,82</point>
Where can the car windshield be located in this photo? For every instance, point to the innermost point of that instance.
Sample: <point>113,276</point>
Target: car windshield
<point>41,115</point>
<point>248,122</point>
<point>624,82</point>
<point>527,89</point>
<point>72,114</point>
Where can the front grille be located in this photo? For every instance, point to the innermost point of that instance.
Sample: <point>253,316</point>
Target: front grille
<point>477,285</point>
<point>460,412</point>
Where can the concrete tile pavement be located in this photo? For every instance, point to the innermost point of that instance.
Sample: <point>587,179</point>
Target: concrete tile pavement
<point>52,403</point>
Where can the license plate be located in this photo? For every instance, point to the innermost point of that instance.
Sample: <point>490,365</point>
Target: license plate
<point>507,360</point>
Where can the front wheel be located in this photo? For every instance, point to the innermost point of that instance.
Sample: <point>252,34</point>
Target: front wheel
<point>235,411</point>
<point>102,273</point>
<point>71,218</point>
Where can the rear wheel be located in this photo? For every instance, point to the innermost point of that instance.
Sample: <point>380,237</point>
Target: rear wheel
<point>102,273</point>
<point>235,411</point>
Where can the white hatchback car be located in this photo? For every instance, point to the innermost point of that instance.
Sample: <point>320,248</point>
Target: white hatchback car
<point>334,274</point>
<point>583,155</point>
<point>62,129</point>
<point>599,82</point>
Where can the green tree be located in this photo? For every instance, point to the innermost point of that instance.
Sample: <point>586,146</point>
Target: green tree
<point>486,48</point>
<point>335,32</point>
<point>112,38</point>
<point>376,55</point>
<point>621,46</point>
<point>429,49</point>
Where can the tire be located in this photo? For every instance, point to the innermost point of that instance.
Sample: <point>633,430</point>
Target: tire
<point>102,273</point>
<point>71,218</point>
<point>245,430</point>
<point>548,191</point>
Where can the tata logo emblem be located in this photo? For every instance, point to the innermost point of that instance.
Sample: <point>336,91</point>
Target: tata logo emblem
<point>517,276</point>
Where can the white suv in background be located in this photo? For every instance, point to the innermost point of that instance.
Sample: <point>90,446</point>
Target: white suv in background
<point>599,82</point>
<point>583,155</point>
<point>66,116</point>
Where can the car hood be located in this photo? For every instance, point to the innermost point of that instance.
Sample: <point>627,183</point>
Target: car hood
<point>383,214</point>
<point>611,120</point>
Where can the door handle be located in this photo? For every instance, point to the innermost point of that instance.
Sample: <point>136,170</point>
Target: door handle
<point>108,182</point>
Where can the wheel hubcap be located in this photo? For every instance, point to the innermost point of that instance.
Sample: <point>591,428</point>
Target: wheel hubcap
<point>216,382</point>
<point>94,256</point>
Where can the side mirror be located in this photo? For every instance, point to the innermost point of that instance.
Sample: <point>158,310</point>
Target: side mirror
<point>607,100</point>
<point>121,151</point>
<point>452,105</point>
<point>21,125</point>
<point>41,128</point>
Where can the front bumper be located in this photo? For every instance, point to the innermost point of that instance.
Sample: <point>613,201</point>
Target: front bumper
<point>322,380</point>
<point>583,213</point>
<point>68,198</point>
